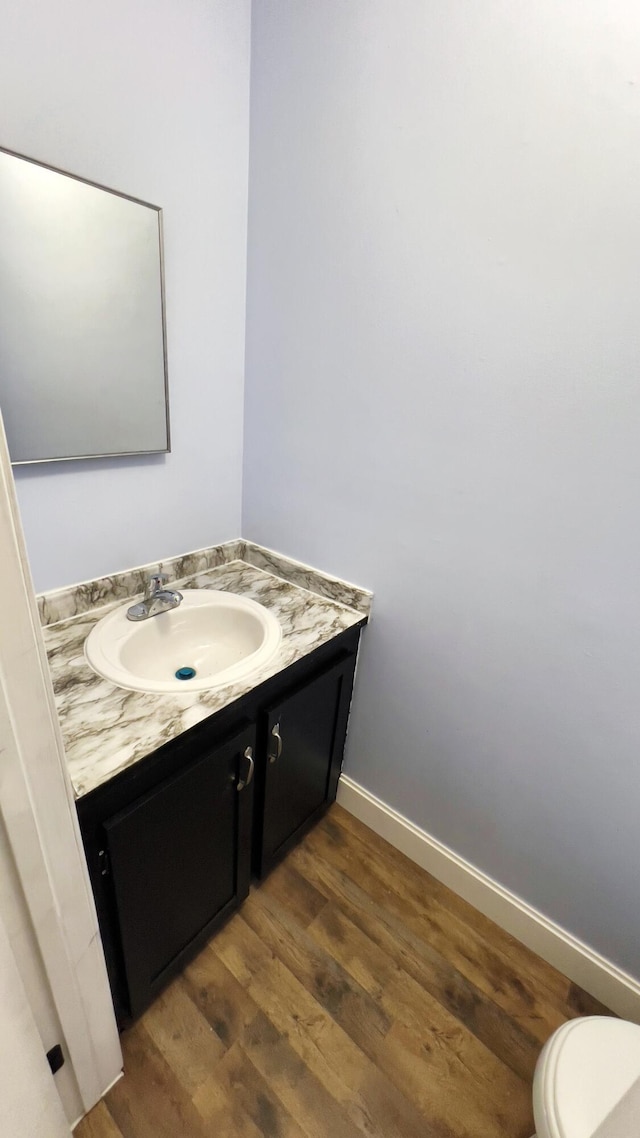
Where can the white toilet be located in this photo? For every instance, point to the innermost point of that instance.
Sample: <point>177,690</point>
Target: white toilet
<point>584,1072</point>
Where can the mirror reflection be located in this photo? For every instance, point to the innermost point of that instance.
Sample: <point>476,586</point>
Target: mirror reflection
<point>82,329</point>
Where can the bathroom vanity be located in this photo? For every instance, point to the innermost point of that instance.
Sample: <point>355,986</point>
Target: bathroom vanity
<point>183,798</point>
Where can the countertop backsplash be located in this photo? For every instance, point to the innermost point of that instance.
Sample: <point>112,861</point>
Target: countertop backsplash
<point>73,600</point>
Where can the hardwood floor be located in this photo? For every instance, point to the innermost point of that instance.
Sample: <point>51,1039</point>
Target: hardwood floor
<point>352,995</point>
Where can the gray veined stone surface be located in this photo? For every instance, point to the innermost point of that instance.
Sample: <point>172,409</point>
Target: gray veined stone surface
<point>76,599</point>
<point>106,728</point>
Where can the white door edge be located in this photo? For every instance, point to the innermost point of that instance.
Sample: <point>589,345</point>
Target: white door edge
<point>36,801</point>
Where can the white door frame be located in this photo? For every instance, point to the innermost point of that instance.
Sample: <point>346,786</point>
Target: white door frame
<point>38,810</point>
<point>30,1106</point>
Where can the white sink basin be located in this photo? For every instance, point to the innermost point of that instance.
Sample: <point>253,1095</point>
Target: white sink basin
<point>222,637</point>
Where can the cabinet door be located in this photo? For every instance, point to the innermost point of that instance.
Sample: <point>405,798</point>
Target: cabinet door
<point>302,742</point>
<point>179,862</point>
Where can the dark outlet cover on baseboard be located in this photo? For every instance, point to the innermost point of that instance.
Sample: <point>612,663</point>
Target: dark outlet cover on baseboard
<point>56,1058</point>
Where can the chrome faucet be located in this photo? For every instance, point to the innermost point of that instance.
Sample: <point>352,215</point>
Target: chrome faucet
<point>157,599</point>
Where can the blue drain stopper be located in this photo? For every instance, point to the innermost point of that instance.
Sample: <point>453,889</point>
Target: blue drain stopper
<point>185,673</point>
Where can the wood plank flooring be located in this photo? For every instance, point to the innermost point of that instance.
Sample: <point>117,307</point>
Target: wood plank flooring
<point>353,995</point>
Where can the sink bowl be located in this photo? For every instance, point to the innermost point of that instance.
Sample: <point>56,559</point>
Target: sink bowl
<point>212,638</point>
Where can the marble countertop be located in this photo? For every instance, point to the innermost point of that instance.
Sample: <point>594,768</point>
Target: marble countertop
<point>106,728</point>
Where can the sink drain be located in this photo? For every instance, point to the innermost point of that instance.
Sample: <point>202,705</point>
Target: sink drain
<point>185,673</point>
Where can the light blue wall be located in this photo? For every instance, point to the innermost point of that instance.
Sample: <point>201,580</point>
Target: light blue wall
<point>443,403</point>
<point>151,99</point>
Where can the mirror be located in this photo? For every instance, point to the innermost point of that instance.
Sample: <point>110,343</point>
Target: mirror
<point>82,323</point>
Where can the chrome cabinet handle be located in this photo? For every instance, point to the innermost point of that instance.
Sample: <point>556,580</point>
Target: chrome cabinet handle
<point>242,782</point>
<point>275,731</point>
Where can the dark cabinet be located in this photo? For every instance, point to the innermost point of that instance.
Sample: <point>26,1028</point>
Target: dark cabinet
<point>169,854</point>
<point>179,861</point>
<point>301,744</point>
<point>171,842</point>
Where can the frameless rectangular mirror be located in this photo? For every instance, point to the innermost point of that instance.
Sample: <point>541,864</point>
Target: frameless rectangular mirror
<point>82,324</point>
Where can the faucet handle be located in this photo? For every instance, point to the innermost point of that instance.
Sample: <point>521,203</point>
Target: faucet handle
<point>157,582</point>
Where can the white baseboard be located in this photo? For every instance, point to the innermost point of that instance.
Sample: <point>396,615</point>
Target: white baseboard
<point>597,975</point>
